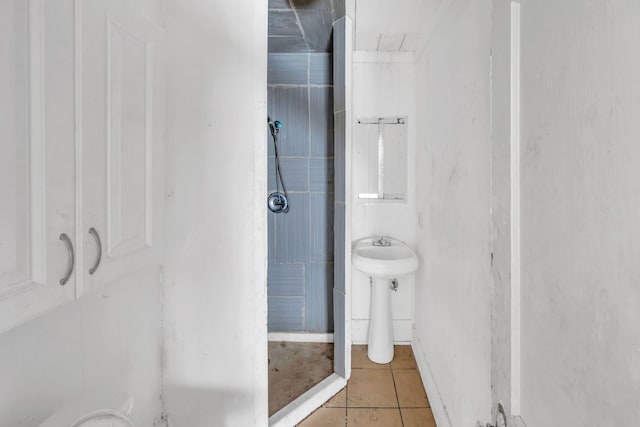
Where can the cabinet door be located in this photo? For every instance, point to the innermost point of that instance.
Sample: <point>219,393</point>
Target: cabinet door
<point>37,156</point>
<point>121,141</point>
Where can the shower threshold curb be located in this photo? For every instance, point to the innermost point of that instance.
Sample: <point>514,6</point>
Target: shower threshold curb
<point>308,402</point>
<point>300,337</point>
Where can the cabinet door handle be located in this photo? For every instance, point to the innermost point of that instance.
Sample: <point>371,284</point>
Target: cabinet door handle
<point>72,258</point>
<point>96,236</point>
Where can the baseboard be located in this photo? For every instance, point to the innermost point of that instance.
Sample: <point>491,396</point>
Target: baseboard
<point>300,337</point>
<point>435,398</point>
<point>402,331</point>
<point>308,402</point>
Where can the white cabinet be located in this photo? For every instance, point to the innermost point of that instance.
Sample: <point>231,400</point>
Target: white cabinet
<point>121,140</point>
<point>37,144</point>
<point>80,147</point>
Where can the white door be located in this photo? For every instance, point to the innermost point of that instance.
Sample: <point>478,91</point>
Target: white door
<point>37,157</point>
<point>121,141</point>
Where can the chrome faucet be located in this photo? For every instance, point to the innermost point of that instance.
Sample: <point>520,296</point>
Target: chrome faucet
<point>382,241</point>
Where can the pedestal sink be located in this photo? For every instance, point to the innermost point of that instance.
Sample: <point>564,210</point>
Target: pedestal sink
<point>383,259</point>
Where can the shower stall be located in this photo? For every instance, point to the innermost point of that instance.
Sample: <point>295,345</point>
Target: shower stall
<point>306,210</point>
<point>301,236</point>
<point>301,203</point>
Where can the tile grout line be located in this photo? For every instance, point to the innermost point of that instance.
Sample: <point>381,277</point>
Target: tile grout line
<point>383,407</point>
<point>395,388</point>
<point>346,405</point>
<point>308,156</point>
<point>399,406</point>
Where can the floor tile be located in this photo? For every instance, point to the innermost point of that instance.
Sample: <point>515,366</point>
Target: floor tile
<point>403,358</point>
<point>360,360</point>
<point>339,400</point>
<point>325,417</point>
<point>411,392</point>
<point>371,388</point>
<point>417,417</point>
<point>373,417</point>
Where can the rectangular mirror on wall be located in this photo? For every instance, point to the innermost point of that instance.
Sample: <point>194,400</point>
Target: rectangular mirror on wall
<point>380,158</point>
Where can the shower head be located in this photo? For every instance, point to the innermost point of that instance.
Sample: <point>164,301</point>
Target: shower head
<point>274,126</point>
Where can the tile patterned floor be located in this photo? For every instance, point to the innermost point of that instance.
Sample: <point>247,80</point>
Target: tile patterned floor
<point>388,395</point>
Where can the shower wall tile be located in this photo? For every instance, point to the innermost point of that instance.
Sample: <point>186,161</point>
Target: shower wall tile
<point>279,4</point>
<point>313,5</point>
<point>292,231</point>
<point>271,230</point>
<point>286,279</point>
<point>321,224</point>
<point>283,23</point>
<point>295,174</point>
<point>301,271</point>
<point>321,175</point>
<point>320,69</point>
<point>292,109</point>
<point>317,29</point>
<point>339,64</point>
<point>322,124</point>
<point>318,297</point>
<point>288,45</point>
<point>285,314</point>
<point>339,156</point>
<point>339,246</point>
<point>287,68</point>
<point>340,8</point>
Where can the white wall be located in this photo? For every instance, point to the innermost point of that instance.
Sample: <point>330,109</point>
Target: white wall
<point>109,339</point>
<point>452,337</point>
<point>501,379</point>
<point>384,86</point>
<point>215,279</point>
<point>580,213</point>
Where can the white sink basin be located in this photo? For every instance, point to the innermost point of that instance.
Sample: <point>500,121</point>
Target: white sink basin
<point>385,262</point>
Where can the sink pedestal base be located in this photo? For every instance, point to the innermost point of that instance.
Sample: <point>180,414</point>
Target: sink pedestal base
<point>380,326</point>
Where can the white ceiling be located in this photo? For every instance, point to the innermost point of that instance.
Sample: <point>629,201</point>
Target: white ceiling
<point>395,25</point>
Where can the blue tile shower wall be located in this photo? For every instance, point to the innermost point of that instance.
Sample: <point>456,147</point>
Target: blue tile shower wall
<point>301,245</point>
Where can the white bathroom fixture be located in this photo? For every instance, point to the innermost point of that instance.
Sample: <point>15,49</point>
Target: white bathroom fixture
<point>383,259</point>
<point>98,409</point>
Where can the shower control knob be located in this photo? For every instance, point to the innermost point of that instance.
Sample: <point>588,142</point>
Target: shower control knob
<point>278,203</point>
